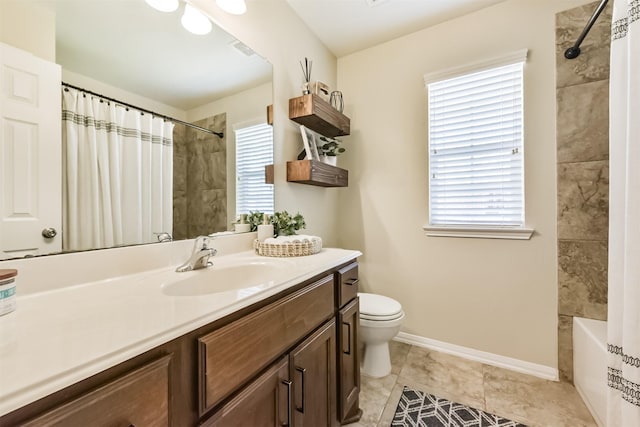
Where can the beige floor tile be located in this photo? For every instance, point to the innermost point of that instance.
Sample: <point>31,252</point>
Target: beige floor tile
<point>398,352</point>
<point>534,401</point>
<point>373,397</point>
<point>392,404</point>
<point>519,397</point>
<point>444,376</point>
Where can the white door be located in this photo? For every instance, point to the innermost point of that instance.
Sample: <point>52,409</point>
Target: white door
<point>30,154</point>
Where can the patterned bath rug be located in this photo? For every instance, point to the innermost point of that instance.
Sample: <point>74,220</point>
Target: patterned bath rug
<point>418,409</point>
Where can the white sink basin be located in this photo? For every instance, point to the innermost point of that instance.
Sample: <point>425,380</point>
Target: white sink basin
<point>222,277</point>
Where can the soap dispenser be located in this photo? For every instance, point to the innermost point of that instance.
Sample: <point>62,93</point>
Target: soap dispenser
<point>265,230</point>
<point>242,226</point>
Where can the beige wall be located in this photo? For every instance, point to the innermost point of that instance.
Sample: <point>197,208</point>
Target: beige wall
<point>274,31</point>
<point>498,296</point>
<point>122,95</point>
<point>28,27</point>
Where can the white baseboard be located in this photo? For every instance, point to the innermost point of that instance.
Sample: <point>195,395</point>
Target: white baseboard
<point>541,371</point>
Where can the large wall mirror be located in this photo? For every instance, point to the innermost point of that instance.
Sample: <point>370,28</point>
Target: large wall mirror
<point>122,61</point>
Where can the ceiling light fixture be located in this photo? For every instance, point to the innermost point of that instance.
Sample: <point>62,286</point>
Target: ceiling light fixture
<point>234,7</point>
<point>164,5</point>
<point>195,22</point>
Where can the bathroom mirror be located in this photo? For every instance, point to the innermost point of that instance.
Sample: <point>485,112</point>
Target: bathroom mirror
<point>130,52</point>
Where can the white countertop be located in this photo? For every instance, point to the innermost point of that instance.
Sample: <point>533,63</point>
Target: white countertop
<point>59,337</point>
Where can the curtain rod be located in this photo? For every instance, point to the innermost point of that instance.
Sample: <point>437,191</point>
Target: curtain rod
<point>574,50</point>
<point>171,119</point>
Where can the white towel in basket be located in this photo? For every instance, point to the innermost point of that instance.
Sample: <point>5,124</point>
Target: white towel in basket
<point>296,238</point>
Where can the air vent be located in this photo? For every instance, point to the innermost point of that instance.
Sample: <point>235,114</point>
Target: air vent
<point>372,3</point>
<point>246,50</point>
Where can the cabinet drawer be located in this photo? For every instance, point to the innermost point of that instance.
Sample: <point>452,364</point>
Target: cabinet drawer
<point>347,283</point>
<point>139,398</point>
<point>231,355</point>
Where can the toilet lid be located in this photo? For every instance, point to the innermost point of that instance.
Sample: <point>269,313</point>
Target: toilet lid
<point>378,306</point>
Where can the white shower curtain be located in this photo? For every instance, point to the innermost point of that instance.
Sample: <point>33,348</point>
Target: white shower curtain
<point>624,218</point>
<point>117,173</point>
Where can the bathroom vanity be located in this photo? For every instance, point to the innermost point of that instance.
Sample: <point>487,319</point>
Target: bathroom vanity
<point>282,353</point>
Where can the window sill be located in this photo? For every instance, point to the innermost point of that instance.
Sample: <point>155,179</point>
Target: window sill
<point>513,233</point>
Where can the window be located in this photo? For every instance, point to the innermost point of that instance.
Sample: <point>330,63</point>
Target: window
<point>254,150</point>
<point>476,176</point>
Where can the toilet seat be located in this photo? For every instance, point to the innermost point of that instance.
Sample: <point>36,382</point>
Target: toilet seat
<point>379,308</point>
<point>381,318</point>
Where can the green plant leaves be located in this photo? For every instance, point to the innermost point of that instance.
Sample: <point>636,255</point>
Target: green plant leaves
<point>330,147</point>
<point>284,224</point>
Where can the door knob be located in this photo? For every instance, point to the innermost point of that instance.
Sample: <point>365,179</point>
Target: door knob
<point>49,233</point>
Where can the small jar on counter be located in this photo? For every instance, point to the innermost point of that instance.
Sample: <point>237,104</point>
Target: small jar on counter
<point>265,230</point>
<point>7,291</point>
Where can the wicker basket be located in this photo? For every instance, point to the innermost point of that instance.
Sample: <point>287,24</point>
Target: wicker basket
<point>309,247</point>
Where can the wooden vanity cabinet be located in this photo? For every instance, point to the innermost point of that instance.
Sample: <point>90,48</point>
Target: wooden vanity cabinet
<point>289,360</point>
<point>348,321</point>
<point>231,355</point>
<point>298,390</point>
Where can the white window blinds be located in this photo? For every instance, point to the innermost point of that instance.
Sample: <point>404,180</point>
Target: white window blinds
<point>476,148</point>
<point>254,150</point>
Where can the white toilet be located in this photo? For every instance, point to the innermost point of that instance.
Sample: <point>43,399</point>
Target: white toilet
<point>380,321</point>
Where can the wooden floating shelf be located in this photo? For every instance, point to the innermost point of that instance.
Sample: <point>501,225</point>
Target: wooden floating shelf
<point>319,116</point>
<point>317,173</point>
<point>268,174</point>
<point>270,114</point>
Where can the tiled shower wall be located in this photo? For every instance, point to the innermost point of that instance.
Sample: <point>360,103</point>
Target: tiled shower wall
<point>199,179</point>
<point>583,174</point>
<point>179,182</point>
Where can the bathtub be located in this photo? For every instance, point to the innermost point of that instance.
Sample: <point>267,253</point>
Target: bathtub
<point>590,365</point>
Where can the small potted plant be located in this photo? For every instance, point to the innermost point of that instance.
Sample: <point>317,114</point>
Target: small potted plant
<point>329,149</point>
<point>284,224</point>
<point>255,219</point>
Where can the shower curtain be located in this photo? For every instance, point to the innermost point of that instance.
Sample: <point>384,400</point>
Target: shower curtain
<point>624,218</point>
<point>117,173</point>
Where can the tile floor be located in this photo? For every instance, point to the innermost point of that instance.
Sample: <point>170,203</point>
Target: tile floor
<point>523,398</point>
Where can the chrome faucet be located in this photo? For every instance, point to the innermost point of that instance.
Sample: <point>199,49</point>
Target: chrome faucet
<point>200,256</point>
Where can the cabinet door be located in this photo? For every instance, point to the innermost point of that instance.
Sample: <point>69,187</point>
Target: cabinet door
<point>313,372</point>
<point>264,402</point>
<point>140,398</point>
<point>348,363</point>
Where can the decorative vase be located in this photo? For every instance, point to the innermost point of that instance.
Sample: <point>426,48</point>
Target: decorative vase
<point>330,160</point>
<point>305,88</point>
<point>336,100</point>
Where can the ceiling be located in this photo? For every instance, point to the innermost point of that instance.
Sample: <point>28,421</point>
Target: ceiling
<point>129,45</point>
<point>347,26</point>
